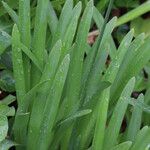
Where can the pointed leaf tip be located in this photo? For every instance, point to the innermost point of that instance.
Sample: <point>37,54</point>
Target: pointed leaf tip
<point>132,31</point>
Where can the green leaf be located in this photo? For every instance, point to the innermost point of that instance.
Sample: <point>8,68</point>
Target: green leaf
<point>52,62</point>
<point>102,5</point>
<point>76,66</point>
<point>6,110</point>
<point>3,127</point>
<point>128,67</point>
<point>101,120</point>
<point>5,41</point>
<point>31,56</point>
<point>64,19</point>
<point>142,139</point>
<point>39,38</point>
<point>52,103</point>
<point>99,61</point>
<point>112,71</point>
<point>8,99</point>
<point>86,126</point>
<point>52,18</point>
<point>140,104</point>
<point>30,94</point>
<point>71,30</point>
<point>135,121</point>
<point>115,122</point>
<point>18,65</point>
<point>48,74</point>
<point>24,22</point>
<point>99,20</point>
<point>19,128</point>
<point>126,3</point>
<point>7,144</point>
<point>7,82</point>
<point>92,74</point>
<point>77,56</point>
<point>123,146</point>
<point>142,9</point>
<point>11,12</point>
<point>25,36</point>
<point>141,26</point>
<point>78,114</point>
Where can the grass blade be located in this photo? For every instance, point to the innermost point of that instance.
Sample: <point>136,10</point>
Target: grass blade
<point>11,12</point>
<point>123,146</point>
<point>142,9</point>
<point>38,105</point>
<point>18,65</point>
<point>101,120</point>
<point>64,19</point>
<point>31,56</point>
<point>7,144</point>
<point>76,66</point>
<point>24,28</point>
<point>118,115</point>
<point>71,31</point>
<point>3,127</point>
<point>74,116</point>
<point>112,71</point>
<point>135,122</point>
<point>52,104</point>
<point>142,139</point>
<point>19,128</point>
<point>99,20</point>
<point>39,38</point>
<point>8,99</point>
<point>52,19</point>
<point>124,69</point>
<point>99,63</point>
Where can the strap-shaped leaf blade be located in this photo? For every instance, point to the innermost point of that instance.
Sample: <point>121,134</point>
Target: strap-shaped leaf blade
<point>99,62</point>
<point>115,122</point>
<point>123,146</point>
<point>135,122</point>
<point>64,19</point>
<point>18,65</point>
<point>8,99</point>
<point>38,105</point>
<point>6,110</point>
<point>25,36</point>
<point>11,12</point>
<point>111,72</point>
<point>99,20</point>
<point>52,18</point>
<point>39,38</point>
<point>101,120</point>
<point>78,114</point>
<point>142,139</point>
<point>128,68</point>
<point>71,30</point>
<point>3,127</point>
<point>52,104</point>
<point>31,56</point>
<point>7,144</point>
<point>77,56</point>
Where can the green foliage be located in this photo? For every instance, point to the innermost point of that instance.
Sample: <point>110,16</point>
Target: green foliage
<point>68,95</point>
<point>141,25</point>
<point>6,111</point>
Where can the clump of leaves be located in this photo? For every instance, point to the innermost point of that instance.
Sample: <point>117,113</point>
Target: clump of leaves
<point>68,95</point>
